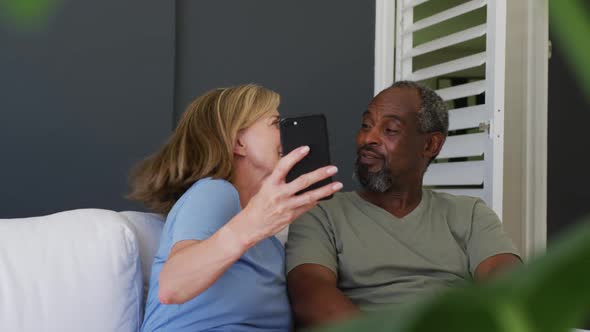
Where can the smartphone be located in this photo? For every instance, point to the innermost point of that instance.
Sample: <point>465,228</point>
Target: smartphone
<point>311,130</point>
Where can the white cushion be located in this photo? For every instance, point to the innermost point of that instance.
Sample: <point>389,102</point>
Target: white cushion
<point>71,271</point>
<point>148,228</point>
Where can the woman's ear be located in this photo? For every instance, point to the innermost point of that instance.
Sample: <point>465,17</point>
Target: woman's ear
<point>239,145</point>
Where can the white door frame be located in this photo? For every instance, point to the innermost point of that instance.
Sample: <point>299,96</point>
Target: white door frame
<point>536,119</point>
<point>384,44</point>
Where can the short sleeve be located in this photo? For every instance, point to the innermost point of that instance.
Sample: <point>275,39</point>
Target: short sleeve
<point>208,205</point>
<point>311,240</point>
<point>487,238</point>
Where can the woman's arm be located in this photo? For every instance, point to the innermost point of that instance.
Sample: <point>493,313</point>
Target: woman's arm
<point>193,266</point>
<point>182,278</point>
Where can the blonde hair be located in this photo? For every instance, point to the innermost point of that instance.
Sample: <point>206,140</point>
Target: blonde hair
<point>201,146</point>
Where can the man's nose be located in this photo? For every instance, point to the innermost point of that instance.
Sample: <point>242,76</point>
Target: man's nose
<point>372,137</point>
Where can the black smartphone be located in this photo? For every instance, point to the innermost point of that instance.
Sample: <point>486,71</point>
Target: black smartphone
<point>311,130</point>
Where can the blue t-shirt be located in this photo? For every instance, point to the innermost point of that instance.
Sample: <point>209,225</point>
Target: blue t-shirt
<point>250,296</point>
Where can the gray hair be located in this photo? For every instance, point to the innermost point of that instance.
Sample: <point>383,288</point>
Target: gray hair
<point>433,115</point>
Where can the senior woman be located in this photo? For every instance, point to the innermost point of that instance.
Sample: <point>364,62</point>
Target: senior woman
<point>220,179</point>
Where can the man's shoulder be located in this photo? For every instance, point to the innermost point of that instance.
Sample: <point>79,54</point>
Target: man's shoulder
<point>339,205</point>
<point>458,210</point>
<point>441,199</point>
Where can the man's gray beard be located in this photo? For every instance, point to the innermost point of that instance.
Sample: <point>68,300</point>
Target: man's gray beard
<point>373,181</point>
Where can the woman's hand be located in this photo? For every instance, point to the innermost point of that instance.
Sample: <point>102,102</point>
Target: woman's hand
<point>275,205</point>
<point>273,208</point>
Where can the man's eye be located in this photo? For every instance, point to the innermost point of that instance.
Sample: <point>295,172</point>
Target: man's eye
<point>364,126</point>
<point>390,131</point>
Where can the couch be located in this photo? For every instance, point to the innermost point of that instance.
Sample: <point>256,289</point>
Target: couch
<point>79,270</point>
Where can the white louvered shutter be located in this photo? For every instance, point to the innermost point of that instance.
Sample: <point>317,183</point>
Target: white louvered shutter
<point>450,44</point>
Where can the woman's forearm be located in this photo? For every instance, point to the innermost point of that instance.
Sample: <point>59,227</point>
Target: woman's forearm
<point>193,269</point>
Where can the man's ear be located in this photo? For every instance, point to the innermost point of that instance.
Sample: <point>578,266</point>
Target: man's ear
<point>239,145</point>
<point>434,143</point>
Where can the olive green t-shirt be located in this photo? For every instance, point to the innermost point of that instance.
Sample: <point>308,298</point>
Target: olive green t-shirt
<point>384,260</point>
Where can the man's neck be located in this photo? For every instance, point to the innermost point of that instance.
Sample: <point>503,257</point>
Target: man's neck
<point>397,202</point>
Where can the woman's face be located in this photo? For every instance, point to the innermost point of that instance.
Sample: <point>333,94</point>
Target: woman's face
<point>262,143</point>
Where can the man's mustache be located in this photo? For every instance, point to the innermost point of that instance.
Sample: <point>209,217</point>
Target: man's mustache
<point>368,148</point>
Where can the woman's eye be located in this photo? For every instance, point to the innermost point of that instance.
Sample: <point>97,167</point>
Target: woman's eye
<point>364,126</point>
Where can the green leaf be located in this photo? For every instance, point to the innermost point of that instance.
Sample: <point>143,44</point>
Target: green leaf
<point>26,14</point>
<point>570,20</point>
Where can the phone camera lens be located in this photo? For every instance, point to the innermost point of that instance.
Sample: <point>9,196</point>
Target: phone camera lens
<point>294,123</point>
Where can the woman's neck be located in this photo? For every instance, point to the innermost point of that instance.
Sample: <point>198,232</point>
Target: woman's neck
<point>247,182</point>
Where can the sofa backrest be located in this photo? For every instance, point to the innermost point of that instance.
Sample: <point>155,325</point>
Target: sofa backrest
<point>77,270</point>
<point>148,228</point>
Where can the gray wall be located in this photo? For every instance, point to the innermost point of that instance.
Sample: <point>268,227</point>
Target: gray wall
<point>568,183</point>
<point>317,54</point>
<point>83,97</point>
<point>568,158</point>
<point>96,88</point>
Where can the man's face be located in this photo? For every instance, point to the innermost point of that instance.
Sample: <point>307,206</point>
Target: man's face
<point>390,144</point>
